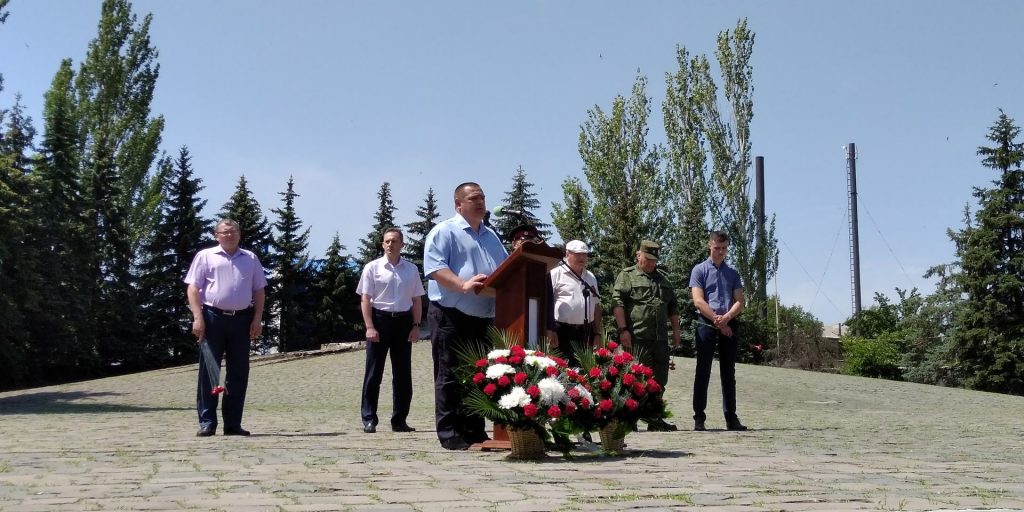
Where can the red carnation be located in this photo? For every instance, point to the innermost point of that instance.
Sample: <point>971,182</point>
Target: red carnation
<point>517,350</point>
<point>612,345</point>
<point>560,362</point>
<point>606,405</point>
<point>597,413</point>
<point>504,381</point>
<point>554,411</point>
<point>501,360</point>
<point>613,371</point>
<point>628,379</point>
<point>519,378</point>
<point>606,385</point>
<point>515,360</point>
<point>585,403</point>
<point>627,357</point>
<point>530,410</point>
<point>570,408</point>
<point>489,389</point>
<point>573,393</point>
<point>481,363</point>
<point>603,352</point>
<point>653,386</point>
<point>619,359</point>
<point>551,371</point>
<point>533,391</point>
<point>595,372</point>
<point>571,374</point>
<point>638,389</point>
<point>631,404</point>
<point>648,371</point>
<point>478,378</point>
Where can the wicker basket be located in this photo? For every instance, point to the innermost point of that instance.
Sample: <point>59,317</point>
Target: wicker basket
<point>608,441</point>
<point>526,444</point>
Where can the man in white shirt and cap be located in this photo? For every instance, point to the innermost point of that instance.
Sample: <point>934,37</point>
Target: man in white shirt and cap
<point>577,303</point>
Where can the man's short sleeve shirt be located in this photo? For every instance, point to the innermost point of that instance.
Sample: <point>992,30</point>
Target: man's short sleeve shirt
<point>453,244</point>
<point>718,284</point>
<point>390,287</point>
<point>226,281</point>
<point>568,295</point>
<point>648,301</point>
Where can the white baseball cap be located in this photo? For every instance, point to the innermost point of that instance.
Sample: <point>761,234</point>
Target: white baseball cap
<point>577,246</point>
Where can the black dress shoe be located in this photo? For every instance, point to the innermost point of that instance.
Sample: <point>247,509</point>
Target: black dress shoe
<point>369,427</point>
<point>699,426</point>
<point>475,437</point>
<point>736,425</point>
<point>206,431</point>
<point>235,431</point>
<point>455,443</point>
<point>402,427</point>
<point>661,426</point>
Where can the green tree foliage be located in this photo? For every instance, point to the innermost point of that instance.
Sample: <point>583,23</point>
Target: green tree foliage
<point>294,276</point>
<point>243,208</point>
<point>371,247</point>
<point>798,340</point>
<point>416,232</point>
<point>988,348</point>
<point>878,357</point>
<point>572,221</point>
<point>625,181</point>
<point>337,314</point>
<point>522,198</point>
<point>168,253</point>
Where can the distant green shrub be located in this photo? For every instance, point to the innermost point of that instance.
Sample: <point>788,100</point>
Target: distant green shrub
<point>879,357</point>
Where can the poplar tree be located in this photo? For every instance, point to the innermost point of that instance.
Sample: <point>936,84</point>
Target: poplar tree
<point>371,247</point>
<point>521,198</point>
<point>293,276</point>
<point>988,330</point>
<point>572,218</point>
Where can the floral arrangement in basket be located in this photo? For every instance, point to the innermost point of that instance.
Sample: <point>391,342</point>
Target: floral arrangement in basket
<point>621,390</point>
<point>515,386</point>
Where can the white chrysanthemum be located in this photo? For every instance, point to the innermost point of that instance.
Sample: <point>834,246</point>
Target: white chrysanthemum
<point>494,354</point>
<point>497,370</point>
<point>516,397</point>
<point>584,393</point>
<point>539,361</point>
<point>551,391</point>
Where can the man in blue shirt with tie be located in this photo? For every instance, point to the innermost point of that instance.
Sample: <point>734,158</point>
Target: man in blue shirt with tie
<point>718,296</point>
<point>459,253</point>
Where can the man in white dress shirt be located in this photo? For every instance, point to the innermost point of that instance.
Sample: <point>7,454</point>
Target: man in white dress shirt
<point>577,303</point>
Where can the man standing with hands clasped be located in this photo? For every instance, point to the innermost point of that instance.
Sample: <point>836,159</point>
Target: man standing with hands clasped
<point>718,296</point>
<point>390,288</point>
<point>225,293</point>
<point>577,308</point>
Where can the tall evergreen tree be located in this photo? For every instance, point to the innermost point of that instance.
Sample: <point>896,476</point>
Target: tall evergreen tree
<point>416,232</point>
<point>989,329</point>
<point>294,277</point>
<point>572,218</point>
<point>181,232</point>
<point>522,198</point>
<point>244,209</point>
<point>337,315</point>
<point>371,247</point>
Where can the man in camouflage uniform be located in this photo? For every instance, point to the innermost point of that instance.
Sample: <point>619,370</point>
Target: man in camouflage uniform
<point>644,302</point>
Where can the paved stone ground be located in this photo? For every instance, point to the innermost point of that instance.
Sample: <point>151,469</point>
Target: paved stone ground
<point>818,442</point>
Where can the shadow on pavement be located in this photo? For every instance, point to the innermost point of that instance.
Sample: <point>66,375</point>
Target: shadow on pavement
<point>69,402</point>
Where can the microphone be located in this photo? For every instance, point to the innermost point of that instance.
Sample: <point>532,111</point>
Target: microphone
<point>501,211</point>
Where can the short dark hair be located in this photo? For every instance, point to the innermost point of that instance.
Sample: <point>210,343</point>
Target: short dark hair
<point>393,230</point>
<point>466,184</point>
<point>718,236</point>
<point>227,222</point>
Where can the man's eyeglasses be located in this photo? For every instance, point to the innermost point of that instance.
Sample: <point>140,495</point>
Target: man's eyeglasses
<point>227,233</point>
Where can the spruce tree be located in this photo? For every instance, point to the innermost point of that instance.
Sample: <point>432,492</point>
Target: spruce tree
<point>293,276</point>
<point>416,232</point>
<point>244,209</point>
<point>572,218</point>
<point>371,247</point>
<point>337,316</point>
<point>989,327</point>
<point>15,198</point>
<point>522,198</point>
<point>168,253</point>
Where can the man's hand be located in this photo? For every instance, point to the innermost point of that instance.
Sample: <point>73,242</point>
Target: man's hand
<point>414,334</point>
<point>726,330</point>
<point>372,335</point>
<point>474,283</point>
<point>552,338</point>
<point>255,328</point>
<point>626,340</point>
<point>199,328</point>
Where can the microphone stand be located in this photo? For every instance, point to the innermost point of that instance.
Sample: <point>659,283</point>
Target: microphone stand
<point>588,324</point>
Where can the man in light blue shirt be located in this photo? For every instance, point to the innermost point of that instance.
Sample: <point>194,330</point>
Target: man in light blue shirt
<point>459,253</point>
<point>718,296</point>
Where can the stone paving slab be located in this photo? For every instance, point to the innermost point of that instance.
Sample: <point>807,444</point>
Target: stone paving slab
<point>818,442</point>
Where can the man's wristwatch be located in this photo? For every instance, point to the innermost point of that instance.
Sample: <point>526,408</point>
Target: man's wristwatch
<point>415,324</point>
<point>623,329</point>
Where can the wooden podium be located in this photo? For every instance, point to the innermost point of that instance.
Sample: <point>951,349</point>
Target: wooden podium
<point>522,291</point>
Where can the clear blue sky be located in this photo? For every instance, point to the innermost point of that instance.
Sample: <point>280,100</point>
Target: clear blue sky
<point>347,95</point>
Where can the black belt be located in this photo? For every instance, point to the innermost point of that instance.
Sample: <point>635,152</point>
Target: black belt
<point>228,312</point>
<point>574,326</point>
<point>392,314</point>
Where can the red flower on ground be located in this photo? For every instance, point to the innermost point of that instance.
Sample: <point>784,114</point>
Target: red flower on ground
<point>217,390</point>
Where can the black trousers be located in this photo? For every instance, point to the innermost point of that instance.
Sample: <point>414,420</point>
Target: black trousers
<point>706,340</point>
<point>394,338</point>
<point>570,334</point>
<point>450,329</point>
<point>228,337</point>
